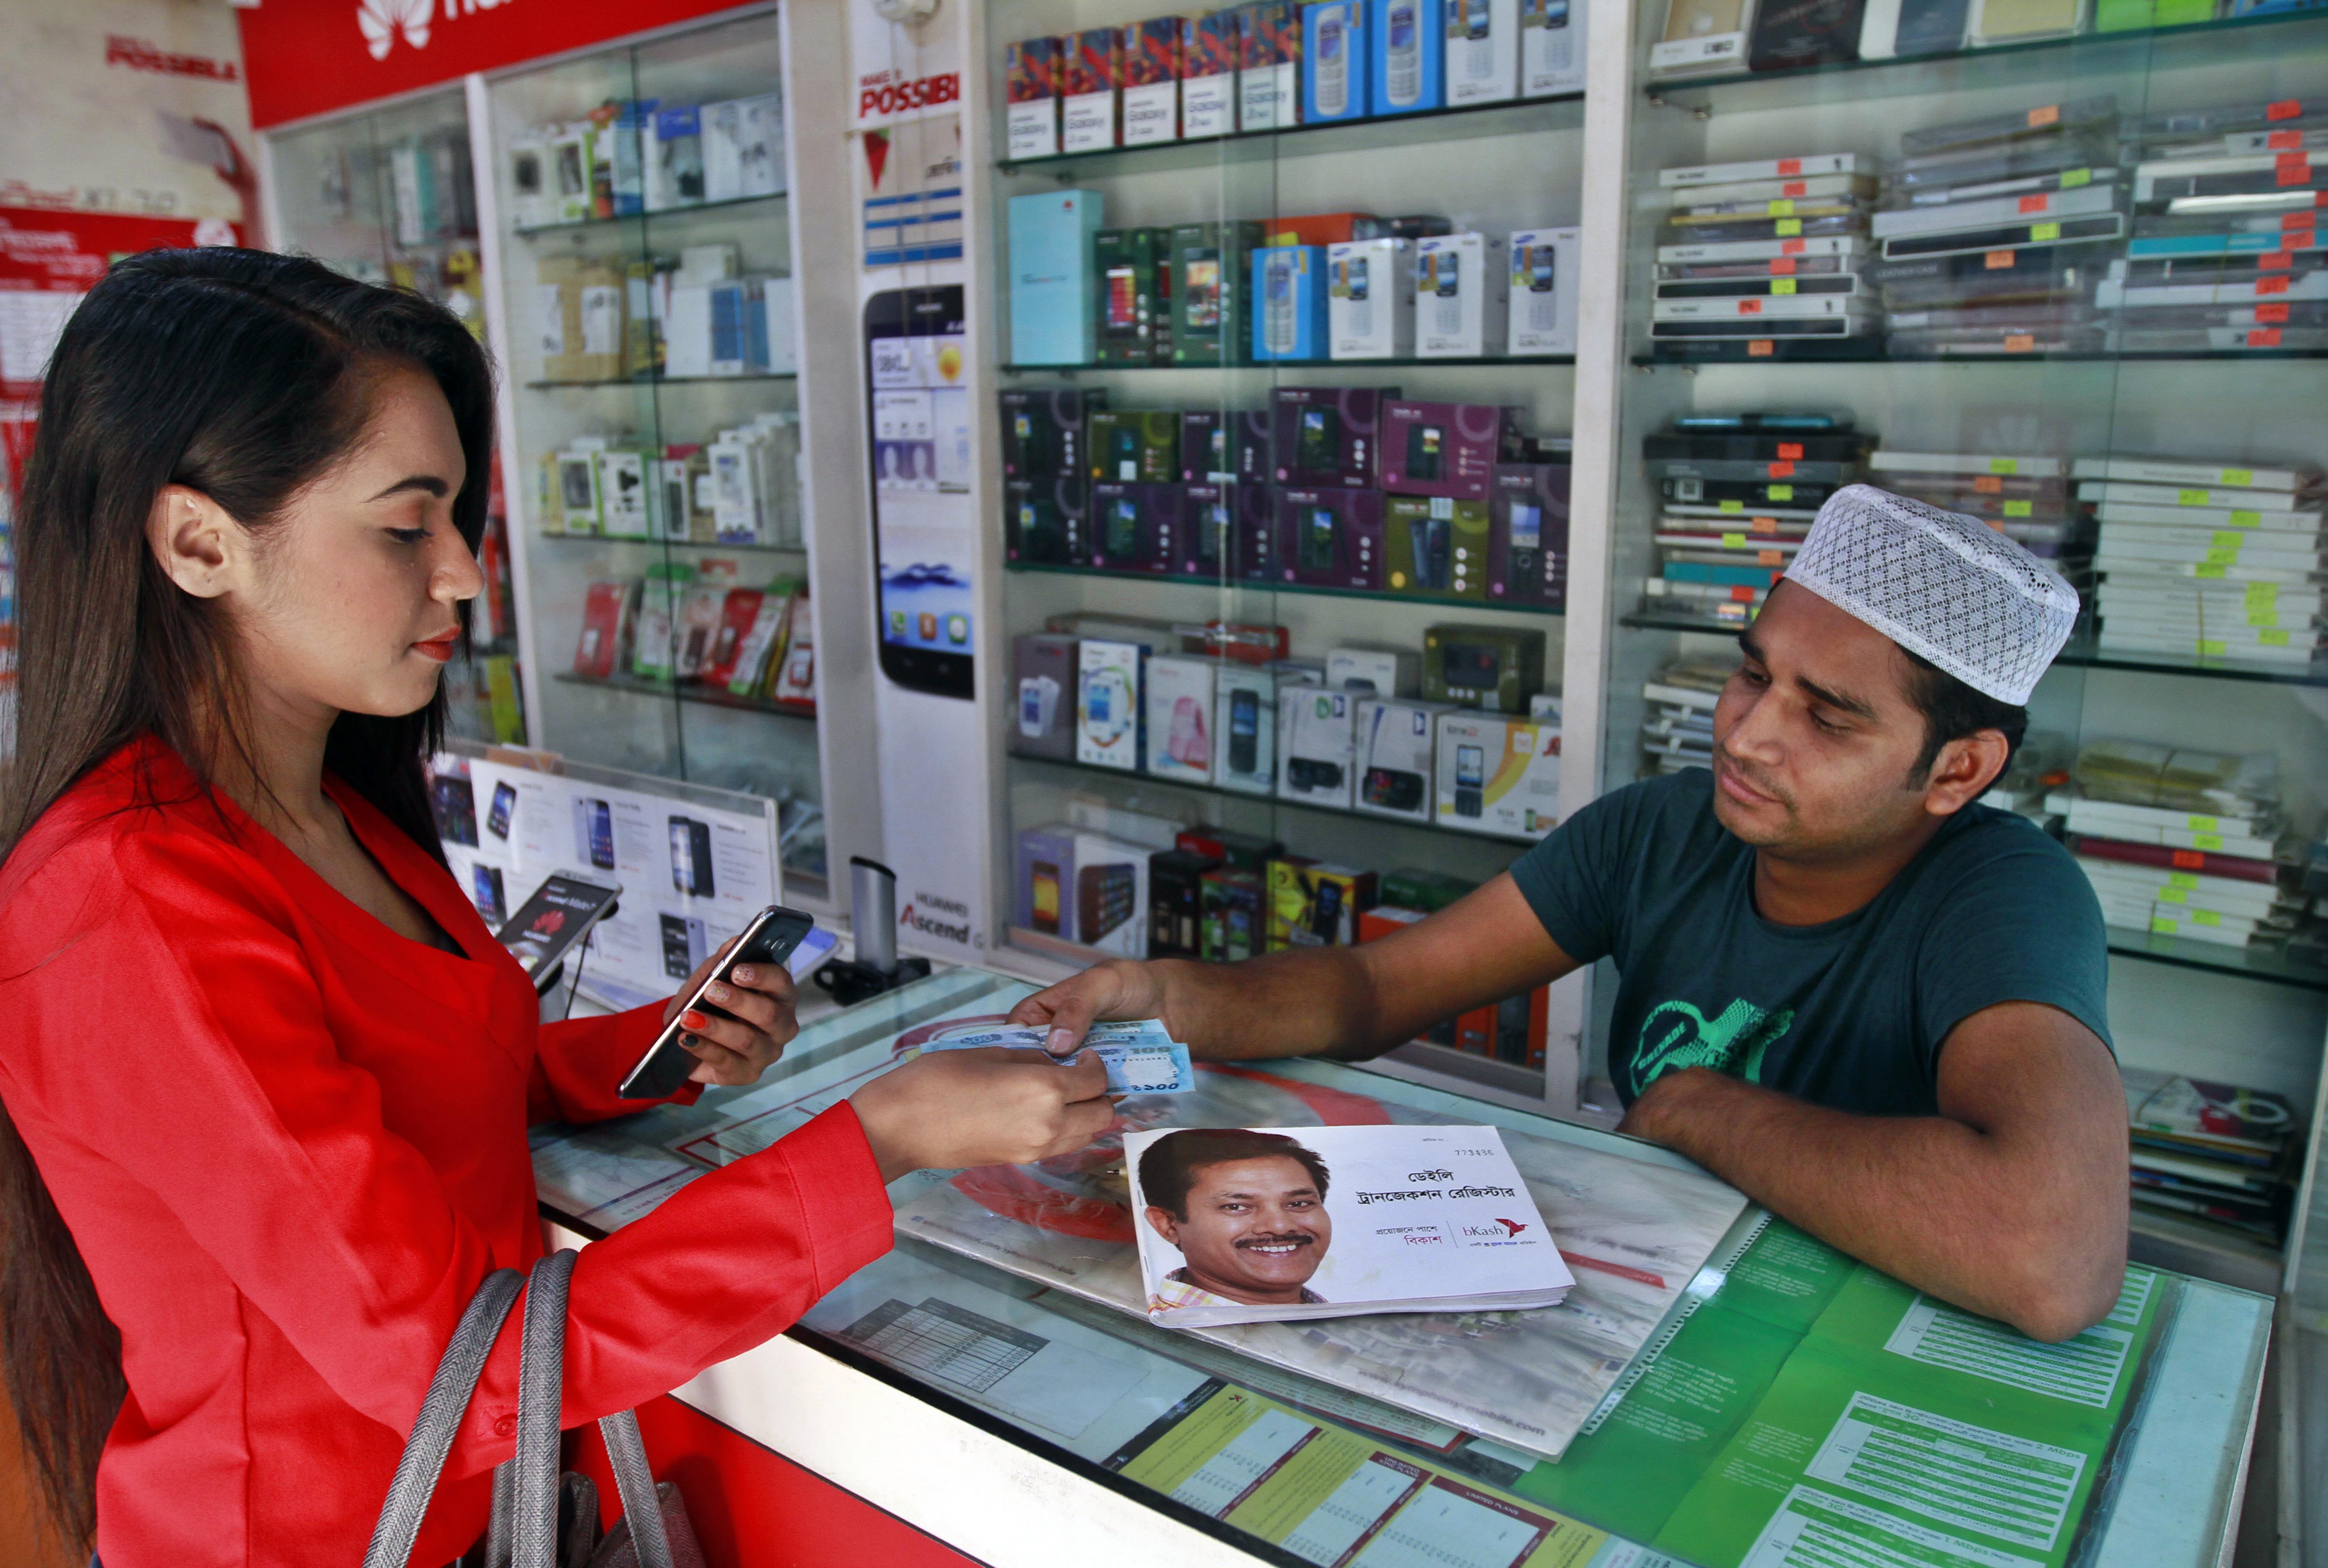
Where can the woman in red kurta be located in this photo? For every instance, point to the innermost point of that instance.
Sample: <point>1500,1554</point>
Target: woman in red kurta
<point>272,1070</point>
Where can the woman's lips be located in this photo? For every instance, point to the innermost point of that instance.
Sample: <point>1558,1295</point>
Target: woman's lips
<point>438,648</point>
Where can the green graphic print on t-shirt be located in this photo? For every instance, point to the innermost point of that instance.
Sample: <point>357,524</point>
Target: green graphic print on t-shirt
<point>1675,1035</point>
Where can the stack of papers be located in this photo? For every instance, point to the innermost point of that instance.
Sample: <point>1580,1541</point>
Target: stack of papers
<point>2214,1154</point>
<point>1766,250</point>
<point>1677,730</point>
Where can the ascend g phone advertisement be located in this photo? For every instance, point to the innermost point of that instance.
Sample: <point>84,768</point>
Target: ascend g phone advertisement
<point>924,532</point>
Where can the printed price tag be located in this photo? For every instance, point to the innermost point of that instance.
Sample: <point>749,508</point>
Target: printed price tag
<point>2270,286</point>
<point>2162,926</point>
<point>1997,260</point>
<point>2278,141</point>
<point>2210,840</point>
<point>2037,203</point>
<point>2018,508</point>
<point>2203,824</point>
<point>1794,247</point>
<point>2207,571</point>
<point>2272,314</point>
<point>2263,337</point>
<point>2073,178</point>
<point>1782,285</point>
<point>1794,188</point>
<point>1749,307</point>
<point>2223,557</point>
<point>2305,220</point>
<point>2174,896</point>
<point>2041,232</point>
<point>1784,266</point>
<point>2192,497</point>
<point>2245,519</point>
<point>2262,593</point>
<point>2240,476</point>
<point>1782,471</point>
<point>1987,484</point>
<point>2019,342</point>
<point>2051,115</point>
<point>2206,917</point>
<point>1780,207</point>
<point>1788,226</point>
<point>2189,860</point>
<point>2181,879</point>
<point>1791,450</point>
<point>1781,493</point>
<point>2265,618</point>
<point>2004,465</point>
<point>1771,558</point>
<point>2286,109</point>
<point>2275,261</point>
<point>2229,539</point>
<point>1790,167</point>
<point>1763,525</point>
<point>1733,541</point>
<point>1733,506</point>
<point>1760,348</point>
<point>2277,638</point>
<point>2292,169</point>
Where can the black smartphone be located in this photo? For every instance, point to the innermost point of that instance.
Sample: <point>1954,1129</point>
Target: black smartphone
<point>1326,913</point>
<point>771,937</point>
<point>559,914</point>
<point>924,606</point>
<point>497,819</point>
<point>690,859</point>
<point>1245,731</point>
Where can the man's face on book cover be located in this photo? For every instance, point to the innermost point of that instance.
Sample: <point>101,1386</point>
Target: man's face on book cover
<point>1257,1230</point>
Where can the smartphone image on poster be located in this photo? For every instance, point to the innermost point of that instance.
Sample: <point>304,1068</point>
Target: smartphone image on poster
<point>690,857</point>
<point>489,893</point>
<point>685,944</point>
<point>594,832</point>
<point>925,598</point>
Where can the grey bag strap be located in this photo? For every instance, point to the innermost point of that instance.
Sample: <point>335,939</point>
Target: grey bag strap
<point>432,1429</point>
<point>541,1392</point>
<point>626,1453</point>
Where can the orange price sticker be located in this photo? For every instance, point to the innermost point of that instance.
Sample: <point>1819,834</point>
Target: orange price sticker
<point>1741,595</point>
<point>1771,558</point>
<point>2263,337</point>
<point>1791,450</point>
<point>2292,170</point>
<point>2307,219</point>
<point>2272,314</point>
<point>1782,470</point>
<point>2036,204</point>
<point>1797,247</point>
<point>1996,259</point>
<point>1749,307</point>
<point>2271,286</point>
<point>1790,167</point>
<point>1784,266</point>
<point>2051,115</point>
<point>2283,141</point>
<point>2286,109</point>
<point>1987,484</point>
<point>1763,525</point>
<point>1760,348</point>
<point>1796,188</point>
<point>2020,342</point>
<point>2275,261</point>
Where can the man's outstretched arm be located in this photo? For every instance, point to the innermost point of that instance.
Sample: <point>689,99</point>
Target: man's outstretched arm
<point>2012,1202</point>
<point>1351,1002</point>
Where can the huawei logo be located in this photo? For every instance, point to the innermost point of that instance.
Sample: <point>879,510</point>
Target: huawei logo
<point>382,19</point>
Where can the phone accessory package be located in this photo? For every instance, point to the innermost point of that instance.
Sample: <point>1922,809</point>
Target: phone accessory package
<point>1397,752</point>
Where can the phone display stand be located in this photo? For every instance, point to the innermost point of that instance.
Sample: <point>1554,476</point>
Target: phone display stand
<point>877,968</point>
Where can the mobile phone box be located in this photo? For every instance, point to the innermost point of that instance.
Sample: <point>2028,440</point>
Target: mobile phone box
<point>1046,520</point>
<point>1180,692</point>
<point>1508,782</point>
<point>1344,552</point>
<point>1133,445</point>
<point>1436,547</point>
<point>1483,52</point>
<point>1447,449</point>
<point>1334,58</point>
<point>1552,46</point>
<point>1043,430</point>
<point>1225,448</point>
<point>1235,921</point>
<point>1397,756</point>
<point>1239,852</point>
<point>1031,71</point>
<point>1244,728</point>
<point>1320,228</point>
<point>1151,80</point>
<point>1379,671</point>
<point>1257,551</point>
<point>1134,527</point>
<point>1208,74</point>
<point>1403,38</point>
<point>1269,65</point>
<point>1044,669</point>
<point>1205,548</point>
<point>1054,285</point>
<point>1046,879</point>
<point>1327,435</point>
<point>1208,324</point>
<point>1370,299</point>
<point>1111,898</point>
<point>1175,905</point>
<point>1316,744</point>
<point>1312,903</point>
<point>1540,313</point>
<point>1288,290</point>
<point>1111,728</point>
<point>1527,535</point>
<point>1462,292</point>
<point>1091,109</point>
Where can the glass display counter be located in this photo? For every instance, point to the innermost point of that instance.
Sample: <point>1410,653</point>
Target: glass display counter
<point>1780,1398</point>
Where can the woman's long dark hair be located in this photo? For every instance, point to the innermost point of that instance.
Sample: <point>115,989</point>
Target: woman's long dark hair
<point>239,374</point>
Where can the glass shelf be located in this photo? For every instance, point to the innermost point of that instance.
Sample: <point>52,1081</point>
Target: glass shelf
<point>1268,367</point>
<point>1869,351</point>
<point>1564,111</point>
<point>1242,584</point>
<point>706,696</point>
<point>665,381</point>
<point>2263,963</point>
<point>1372,819</point>
<point>673,543</point>
<point>659,215</point>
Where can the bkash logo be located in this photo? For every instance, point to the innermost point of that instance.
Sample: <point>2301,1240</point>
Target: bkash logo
<point>379,21</point>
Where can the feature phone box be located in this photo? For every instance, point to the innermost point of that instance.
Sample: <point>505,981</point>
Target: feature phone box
<point>769,939</point>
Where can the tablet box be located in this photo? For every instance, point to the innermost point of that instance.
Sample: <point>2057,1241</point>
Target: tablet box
<point>1043,664</point>
<point>1496,668</point>
<point>1334,61</point>
<point>1180,717</point>
<point>1032,70</point>
<point>1552,46</point>
<point>1315,905</point>
<point>1403,38</point>
<point>1212,294</point>
<point>1330,539</point>
<point>1110,895</point>
<point>1090,107</point>
<point>1326,436</point>
<point>1208,74</point>
<point>1131,265</point>
<point>1289,308</point>
<point>1435,546</point>
<point>1235,919</point>
<point>1206,544</point>
<point>1134,527</point>
<point>1259,549</point>
<point>1134,446</point>
<point>1541,318</point>
<point>1462,288</point>
<point>1316,744</point>
<point>1175,903</point>
<point>1375,671</point>
<point>1527,535</point>
<point>1053,290</point>
<point>1151,80</point>
<point>1449,449</point>
<point>1044,520</point>
<point>1269,65</point>
<point>1244,728</point>
<point>1398,748</point>
<point>1238,851</point>
<point>1483,52</point>
<point>1109,732</point>
<point>1370,299</point>
<point>1498,775</point>
<point>1046,879</point>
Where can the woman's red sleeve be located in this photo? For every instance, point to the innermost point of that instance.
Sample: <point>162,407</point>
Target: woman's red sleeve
<point>580,1061</point>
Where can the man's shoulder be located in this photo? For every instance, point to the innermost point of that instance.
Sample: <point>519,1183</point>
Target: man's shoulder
<point>1987,841</point>
<point>1998,867</point>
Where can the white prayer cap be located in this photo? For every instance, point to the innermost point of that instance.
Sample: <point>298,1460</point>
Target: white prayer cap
<point>1939,584</point>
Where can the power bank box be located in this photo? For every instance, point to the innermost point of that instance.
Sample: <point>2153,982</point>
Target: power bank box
<point>1110,895</point>
<point>1043,431</point>
<point>1498,775</point>
<point>1405,72</point>
<point>1133,527</point>
<point>1552,46</point>
<point>1370,299</point>
<point>1449,449</point>
<point>1289,293</point>
<point>1045,880</point>
<point>1435,546</point>
<point>1212,294</point>
<point>1542,312</point>
<point>1032,70</point>
<point>1483,52</point>
<point>1527,536</point>
<point>1316,904</point>
<point>1269,65</point>
<point>1496,668</point>
<point>1375,671</point>
<point>1327,435</point>
<point>1149,77</point>
<point>1397,750</point>
<point>1054,288</point>
<point>1701,36</point>
<point>1109,731</point>
<point>1175,903</point>
<point>1316,744</point>
<point>1259,551</point>
<point>1208,74</point>
<point>1043,722</point>
<point>1133,445</point>
<point>1330,539</point>
<point>1234,916</point>
<point>1244,728</point>
<point>1132,265</point>
<point>1463,287</point>
<point>1047,520</point>
<point>1335,57</point>
<point>1180,717</point>
<point>1091,102</point>
<point>1206,545</point>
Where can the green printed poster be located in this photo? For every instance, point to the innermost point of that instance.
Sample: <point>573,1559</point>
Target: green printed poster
<point>1786,1279</point>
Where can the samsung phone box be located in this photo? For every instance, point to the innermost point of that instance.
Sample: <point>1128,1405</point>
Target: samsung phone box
<point>1090,107</point>
<point>1180,690</point>
<point>1212,277</point>
<point>1527,536</point>
<point>1208,74</point>
<point>1552,46</point>
<point>1042,719</point>
<point>1269,65</point>
<point>1135,527</point>
<point>1435,546</point>
<point>1397,750</point>
<point>1496,668</point>
<point>1054,286</point>
<point>1447,449</point>
<point>1288,295</point>
<point>1150,75</point>
<point>1463,287</point>
<point>1110,732</point>
<point>1244,728</point>
<point>1370,299</point>
<point>1334,58</point>
<point>1327,435</point>
<point>1330,539</point>
<point>1316,744</point>
<point>1133,445</point>
<point>1498,775</point>
<point>1405,37</point>
<point>1541,314</point>
<point>1483,52</point>
<point>1375,671</point>
<point>1032,70</point>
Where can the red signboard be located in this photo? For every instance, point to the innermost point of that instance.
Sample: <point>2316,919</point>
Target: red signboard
<point>48,259</point>
<point>310,57</point>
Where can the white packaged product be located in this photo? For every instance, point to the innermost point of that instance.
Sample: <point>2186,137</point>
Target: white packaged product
<point>1483,52</point>
<point>1180,692</point>
<point>1316,744</point>
<point>1542,309</point>
<point>1498,775</point>
<point>734,517</point>
<point>780,330</point>
<point>580,500</point>
<point>1397,751</point>
<point>531,204</point>
<point>744,147</point>
<point>1370,299</point>
<point>1552,46</point>
<point>568,193</point>
<point>623,492</point>
<point>1462,292</point>
<point>1375,671</point>
<point>1109,730</point>
<point>1244,728</point>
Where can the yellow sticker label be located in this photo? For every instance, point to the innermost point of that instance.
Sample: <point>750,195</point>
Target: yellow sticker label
<point>2209,840</point>
<point>1789,227</point>
<point>1732,505</point>
<point>2018,508</point>
<point>2206,917</point>
<point>2263,617</point>
<point>2181,879</point>
<point>2041,232</point>
<point>1782,285</point>
<point>2164,926</point>
<point>2262,593</point>
<point>2207,571</point>
<point>2246,519</point>
<point>2272,637</point>
<point>2229,539</point>
<point>2194,497</point>
<point>2004,465</point>
<point>2172,896</point>
<point>2073,178</point>
<point>1784,207</point>
<point>1782,493</point>
<point>2208,648</point>
<point>2223,557</point>
<point>2238,476</point>
<point>1734,540</point>
<point>2205,824</point>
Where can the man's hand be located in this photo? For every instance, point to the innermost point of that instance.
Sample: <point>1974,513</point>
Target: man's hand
<point>987,1106</point>
<point>1118,989</point>
<point>736,1050</point>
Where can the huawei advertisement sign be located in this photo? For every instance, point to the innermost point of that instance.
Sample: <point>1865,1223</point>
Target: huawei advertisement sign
<point>311,57</point>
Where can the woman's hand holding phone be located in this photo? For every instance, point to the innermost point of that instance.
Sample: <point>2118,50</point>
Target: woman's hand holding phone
<point>991,1106</point>
<point>736,1050</point>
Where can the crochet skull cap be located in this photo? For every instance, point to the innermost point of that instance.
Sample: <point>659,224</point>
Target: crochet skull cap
<point>1939,584</point>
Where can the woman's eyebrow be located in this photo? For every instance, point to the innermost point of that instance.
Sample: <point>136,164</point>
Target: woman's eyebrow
<point>428,482</point>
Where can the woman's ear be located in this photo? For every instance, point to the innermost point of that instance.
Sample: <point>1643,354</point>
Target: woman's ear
<point>195,541</point>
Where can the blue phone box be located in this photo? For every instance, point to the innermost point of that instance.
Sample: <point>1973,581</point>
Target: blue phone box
<point>1334,61</point>
<point>1405,40</point>
<point>1288,302</point>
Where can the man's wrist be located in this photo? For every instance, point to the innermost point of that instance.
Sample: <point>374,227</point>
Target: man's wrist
<point>1663,1109</point>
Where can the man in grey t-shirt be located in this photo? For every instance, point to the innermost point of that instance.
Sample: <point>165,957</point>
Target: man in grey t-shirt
<point>1871,1004</point>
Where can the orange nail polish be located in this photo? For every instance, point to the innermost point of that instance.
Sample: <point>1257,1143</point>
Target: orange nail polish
<point>692,1019</point>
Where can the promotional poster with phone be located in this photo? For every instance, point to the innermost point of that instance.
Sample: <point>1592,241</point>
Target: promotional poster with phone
<point>774,935</point>
<point>1139,1056</point>
<point>924,525</point>
<point>549,924</point>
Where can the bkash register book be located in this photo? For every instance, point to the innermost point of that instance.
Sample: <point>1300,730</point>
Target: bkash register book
<point>1271,1224</point>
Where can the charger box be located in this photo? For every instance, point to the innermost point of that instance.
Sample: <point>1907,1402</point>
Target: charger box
<point>1327,435</point>
<point>1045,669</point>
<point>1269,65</point>
<point>1132,265</point>
<point>1483,52</point>
<point>1498,775</point>
<point>1334,58</point>
<point>1370,299</point>
<point>1151,80</point>
<point>1239,852</point>
<point>1244,728</point>
<point>1180,717</point>
<point>1541,318</point>
<point>1109,730</point>
<point>1312,903</point>
<point>1527,535</point>
<point>1397,751</point>
<point>1135,527</point>
<point>1316,744</point>
<point>1212,294</point>
<point>1175,903</point>
<point>1091,102</point>
<point>1054,286</point>
<point>1405,38</point>
<point>1209,46</point>
<point>1133,445</point>
<point>1379,671</point>
<point>1330,537</point>
<point>1435,546</point>
<point>1449,449</point>
<point>1462,293</point>
<point>1496,668</point>
<point>1032,69</point>
<point>1235,922</point>
<point>1289,310</point>
<point>1552,46</point>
